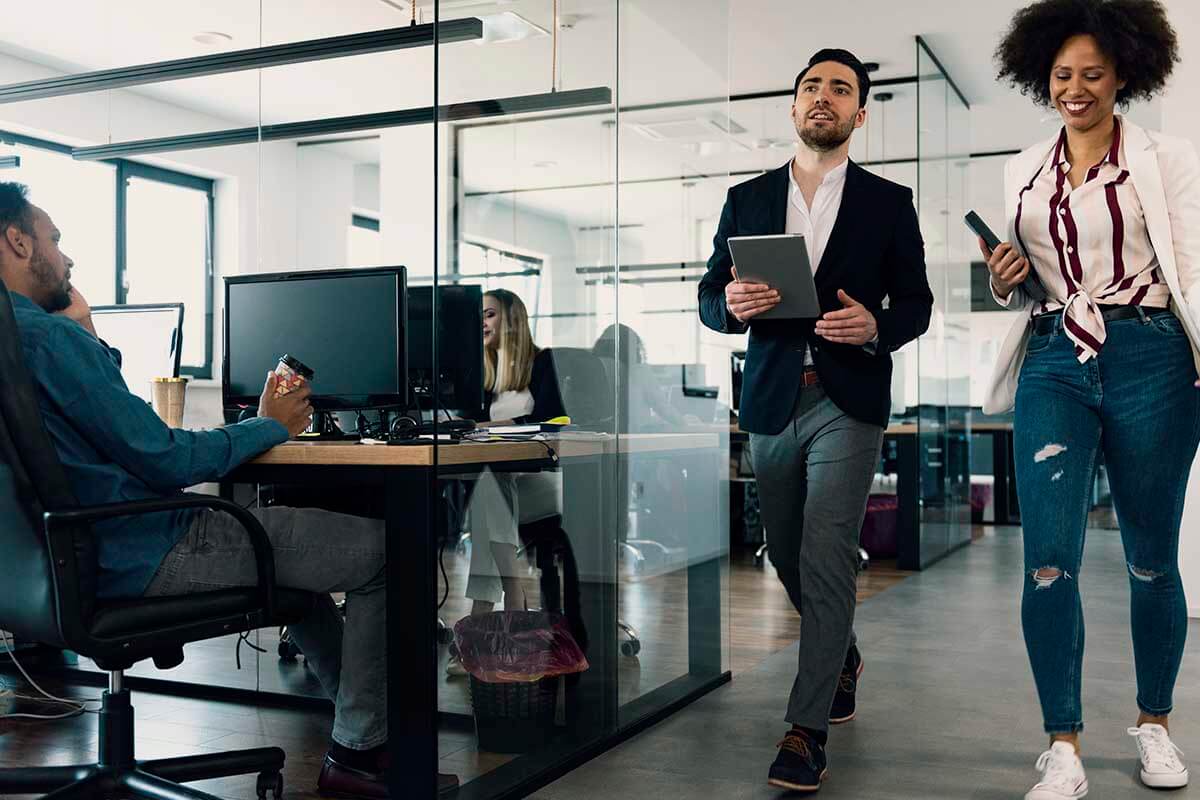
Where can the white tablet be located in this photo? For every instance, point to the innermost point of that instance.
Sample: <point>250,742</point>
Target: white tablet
<point>780,262</point>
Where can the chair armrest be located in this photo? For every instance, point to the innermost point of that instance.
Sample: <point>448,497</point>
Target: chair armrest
<point>263,553</point>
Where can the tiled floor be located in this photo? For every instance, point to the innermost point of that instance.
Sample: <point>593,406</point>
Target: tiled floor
<point>947,707</point>
<point>762,621</point>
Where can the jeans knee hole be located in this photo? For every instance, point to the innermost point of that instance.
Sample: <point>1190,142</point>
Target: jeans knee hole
<point>1144,575</point>
<point>1046,577</point>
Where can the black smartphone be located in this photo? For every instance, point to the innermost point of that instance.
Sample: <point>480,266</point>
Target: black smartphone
<point>980,228</point>
<point>1031,283</point>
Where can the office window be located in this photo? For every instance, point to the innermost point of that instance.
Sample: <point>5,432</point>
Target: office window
<point>78,196</point>
<point>168,252</point>
<point>148,241</point>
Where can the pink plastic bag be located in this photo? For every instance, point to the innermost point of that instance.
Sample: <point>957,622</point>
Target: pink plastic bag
<point>517,646</point>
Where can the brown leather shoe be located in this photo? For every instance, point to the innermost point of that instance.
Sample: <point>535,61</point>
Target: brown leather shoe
<point>338,780</point>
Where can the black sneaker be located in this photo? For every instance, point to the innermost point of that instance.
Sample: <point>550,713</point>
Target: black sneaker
<point>843,699</point>
<point>800,765</point>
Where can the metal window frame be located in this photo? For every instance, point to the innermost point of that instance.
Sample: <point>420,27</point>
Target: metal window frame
<point>122,170</point>
<point>132,169</point>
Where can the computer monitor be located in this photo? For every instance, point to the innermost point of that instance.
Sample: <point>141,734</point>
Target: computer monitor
<point>150,338</point>
<point>347,325</point>
<point>459,347</point>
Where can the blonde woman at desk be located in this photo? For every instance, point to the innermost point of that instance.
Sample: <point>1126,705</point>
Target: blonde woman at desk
<point>520,386</point>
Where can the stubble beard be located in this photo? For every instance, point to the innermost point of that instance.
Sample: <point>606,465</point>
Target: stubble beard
<point>58,295</point>
<point>825,139</point>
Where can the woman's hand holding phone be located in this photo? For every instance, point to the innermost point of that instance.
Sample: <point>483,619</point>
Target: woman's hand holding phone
<point>1007,267</point>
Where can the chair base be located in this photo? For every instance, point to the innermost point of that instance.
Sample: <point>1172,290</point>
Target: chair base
<point>92,781</point>
<point>118,773</point>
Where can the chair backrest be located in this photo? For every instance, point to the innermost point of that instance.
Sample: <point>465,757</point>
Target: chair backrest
<point>583,384</point>
<point>49,582</point>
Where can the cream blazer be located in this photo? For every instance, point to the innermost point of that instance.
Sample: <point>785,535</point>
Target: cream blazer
<point>1166,173</point>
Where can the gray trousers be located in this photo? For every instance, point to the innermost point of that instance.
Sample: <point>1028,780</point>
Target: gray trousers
<point>318,551</point>
<point>814,478</point>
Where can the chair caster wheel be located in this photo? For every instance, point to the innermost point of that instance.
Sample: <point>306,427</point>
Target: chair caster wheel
<point>631,648</point>
<point>287,648</point>
<point>269,782</point>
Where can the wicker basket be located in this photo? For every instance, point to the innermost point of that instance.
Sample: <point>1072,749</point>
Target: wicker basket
<point>514,717</point>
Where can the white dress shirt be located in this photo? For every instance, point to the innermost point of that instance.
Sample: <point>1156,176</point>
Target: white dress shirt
<point>815,224</point>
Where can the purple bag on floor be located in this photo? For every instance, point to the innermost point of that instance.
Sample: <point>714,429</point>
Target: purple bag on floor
<point>517,646</point>
<point>878,535</point>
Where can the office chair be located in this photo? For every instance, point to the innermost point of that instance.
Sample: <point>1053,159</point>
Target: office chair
<point>48,595</point>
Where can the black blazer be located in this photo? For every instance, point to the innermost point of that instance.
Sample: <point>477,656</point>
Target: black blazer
<point>875,251</point>
<point>543,385</point>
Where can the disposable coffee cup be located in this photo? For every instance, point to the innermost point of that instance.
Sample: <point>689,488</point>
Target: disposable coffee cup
<point>169,396</point>
<point>290,374</point>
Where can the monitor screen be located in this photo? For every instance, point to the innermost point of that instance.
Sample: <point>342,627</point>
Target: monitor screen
<point>150,338</point>
<point>459,343</point>
<point>346,325</point>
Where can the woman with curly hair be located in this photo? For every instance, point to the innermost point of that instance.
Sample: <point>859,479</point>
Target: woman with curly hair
<point>1103,259</point>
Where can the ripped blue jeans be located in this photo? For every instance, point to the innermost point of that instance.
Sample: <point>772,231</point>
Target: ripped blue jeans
<point>1136,404</point>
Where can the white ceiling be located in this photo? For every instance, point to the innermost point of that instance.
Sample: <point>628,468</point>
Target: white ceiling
<point>670,50</point>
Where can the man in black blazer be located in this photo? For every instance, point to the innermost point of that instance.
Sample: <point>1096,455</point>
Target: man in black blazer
<point>816,394</point>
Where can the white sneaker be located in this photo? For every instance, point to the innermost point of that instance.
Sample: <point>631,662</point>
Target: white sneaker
<point>1062,774</point>
<point>1161,767</point>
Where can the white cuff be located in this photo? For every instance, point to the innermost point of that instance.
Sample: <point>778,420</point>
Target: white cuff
<point>1003,301</point>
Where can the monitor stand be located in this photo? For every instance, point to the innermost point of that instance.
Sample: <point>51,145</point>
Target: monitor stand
<point>324,428</point>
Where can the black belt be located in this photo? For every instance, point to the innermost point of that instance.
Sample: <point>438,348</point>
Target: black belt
<point>1047,323</point>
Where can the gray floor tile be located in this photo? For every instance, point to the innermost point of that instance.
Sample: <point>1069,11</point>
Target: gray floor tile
<point>947,707</point>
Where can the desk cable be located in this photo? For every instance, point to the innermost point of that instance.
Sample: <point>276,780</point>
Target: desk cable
<point>483,438</point>
<point>77,706</point>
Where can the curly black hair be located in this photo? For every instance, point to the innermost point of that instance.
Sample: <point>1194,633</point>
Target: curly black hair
<point>1135,34</point>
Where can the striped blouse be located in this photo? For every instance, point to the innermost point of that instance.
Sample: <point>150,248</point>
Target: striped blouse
<point>1089,245</point>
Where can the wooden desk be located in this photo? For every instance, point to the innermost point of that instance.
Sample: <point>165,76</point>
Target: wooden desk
<point>1004,487</point>
<point>406,477</point>
<point>495,453</point>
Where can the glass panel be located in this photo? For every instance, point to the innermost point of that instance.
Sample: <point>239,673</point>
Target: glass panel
<point>527,537</point>
<point>958,305</point>
<point>673,506</point>
<point>166,260</point>
<point>944,383</point>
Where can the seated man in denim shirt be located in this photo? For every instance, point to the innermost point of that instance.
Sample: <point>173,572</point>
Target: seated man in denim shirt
<point>115,448</point>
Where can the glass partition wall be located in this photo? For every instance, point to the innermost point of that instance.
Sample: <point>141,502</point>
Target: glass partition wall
<point>507,147</point>
<point>942,354</point>
<point>578,214</point>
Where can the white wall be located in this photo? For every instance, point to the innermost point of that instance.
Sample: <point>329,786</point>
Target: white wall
<point>1181,117</point>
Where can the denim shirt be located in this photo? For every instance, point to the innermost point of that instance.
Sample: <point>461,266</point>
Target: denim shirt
<point>115,448</point>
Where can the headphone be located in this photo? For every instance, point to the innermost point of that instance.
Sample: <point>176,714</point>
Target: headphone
<point>404,429</point>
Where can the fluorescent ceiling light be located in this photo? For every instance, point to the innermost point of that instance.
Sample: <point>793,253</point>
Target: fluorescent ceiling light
<point>236,60</point>
<point>509,26</point>
<point>452,112</point>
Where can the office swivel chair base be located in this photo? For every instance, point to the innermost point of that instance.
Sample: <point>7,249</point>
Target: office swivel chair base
<point>118,774</point>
